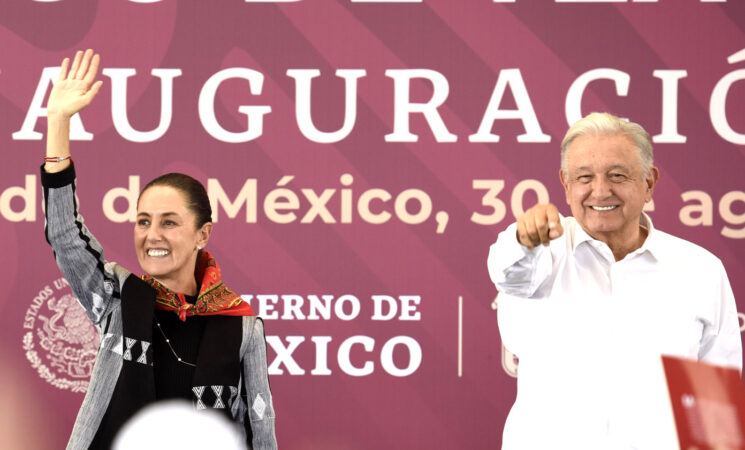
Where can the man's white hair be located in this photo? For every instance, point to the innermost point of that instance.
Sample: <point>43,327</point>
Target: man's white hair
<point>603,124</point>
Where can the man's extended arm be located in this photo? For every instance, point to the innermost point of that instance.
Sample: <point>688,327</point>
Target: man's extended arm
<point>520,261</point>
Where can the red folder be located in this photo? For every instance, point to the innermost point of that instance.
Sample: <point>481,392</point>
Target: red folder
<point>708,404</point>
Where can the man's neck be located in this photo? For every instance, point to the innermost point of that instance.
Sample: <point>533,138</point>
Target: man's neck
<point>624,246</point>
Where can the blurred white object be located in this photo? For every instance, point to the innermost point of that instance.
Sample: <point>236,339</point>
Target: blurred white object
<point>176,424</point>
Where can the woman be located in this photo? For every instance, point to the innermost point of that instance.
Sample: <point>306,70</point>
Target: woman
<point>175,332</point>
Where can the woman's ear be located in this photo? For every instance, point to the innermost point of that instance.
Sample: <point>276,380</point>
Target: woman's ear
<point>204,235</point>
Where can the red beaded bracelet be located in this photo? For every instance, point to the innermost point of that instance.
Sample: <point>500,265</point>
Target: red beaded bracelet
<point>56,159</point>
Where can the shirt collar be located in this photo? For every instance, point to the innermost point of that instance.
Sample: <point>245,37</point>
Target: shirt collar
<point>651,243</point>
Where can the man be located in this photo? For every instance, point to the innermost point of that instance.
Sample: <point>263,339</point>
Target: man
<point>587,302</point>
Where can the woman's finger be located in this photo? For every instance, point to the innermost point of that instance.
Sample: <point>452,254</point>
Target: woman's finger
<point>90,75</point>
<point>75,65</point>
<point>63,69</point>
<point>84,64</point>
<point>92,92</point>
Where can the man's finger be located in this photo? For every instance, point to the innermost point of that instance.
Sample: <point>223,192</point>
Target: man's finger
<point>522,235</point>
<point>555,229</point>
<point>554,223</point>
<point>541,229</point>
<point>531,231</point>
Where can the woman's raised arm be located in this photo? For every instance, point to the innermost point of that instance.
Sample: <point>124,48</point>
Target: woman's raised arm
<point>73,91</point>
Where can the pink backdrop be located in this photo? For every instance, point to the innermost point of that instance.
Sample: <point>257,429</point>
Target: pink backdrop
<point>353,150</point>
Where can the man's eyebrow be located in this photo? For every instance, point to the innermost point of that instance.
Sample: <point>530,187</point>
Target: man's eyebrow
<point>613,167</point>
<point>620,167</point>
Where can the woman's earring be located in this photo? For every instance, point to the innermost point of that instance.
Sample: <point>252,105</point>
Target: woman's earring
<point>198,248</point>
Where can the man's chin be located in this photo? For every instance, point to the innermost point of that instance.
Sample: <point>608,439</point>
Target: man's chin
<point>598,230</point>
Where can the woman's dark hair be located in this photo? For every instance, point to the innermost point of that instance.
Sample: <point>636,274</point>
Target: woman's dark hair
<point>196,196</point>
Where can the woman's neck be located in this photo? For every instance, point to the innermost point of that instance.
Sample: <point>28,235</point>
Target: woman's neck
<point>186,287</point>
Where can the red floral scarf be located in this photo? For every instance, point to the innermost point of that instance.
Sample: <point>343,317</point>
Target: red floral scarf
<point>214,297</point>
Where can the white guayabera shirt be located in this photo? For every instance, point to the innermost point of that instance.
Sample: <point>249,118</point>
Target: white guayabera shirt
<point>586,327</point>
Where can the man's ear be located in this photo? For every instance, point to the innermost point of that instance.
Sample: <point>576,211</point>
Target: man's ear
<point>651,181</point>
<point>565,183</point>
<point>563,179</point>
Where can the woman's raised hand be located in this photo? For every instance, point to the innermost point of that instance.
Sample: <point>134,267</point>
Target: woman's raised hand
<point>74,88</point>
<point>73,91</point>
